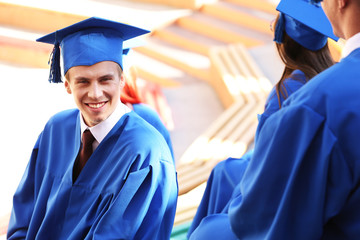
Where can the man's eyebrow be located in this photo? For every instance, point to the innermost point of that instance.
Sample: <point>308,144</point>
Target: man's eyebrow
<point>106,76</point>
<point>80,78</point>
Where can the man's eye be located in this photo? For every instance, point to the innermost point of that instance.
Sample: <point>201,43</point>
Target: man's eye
<point>81,81</point>
<point>106,79</point>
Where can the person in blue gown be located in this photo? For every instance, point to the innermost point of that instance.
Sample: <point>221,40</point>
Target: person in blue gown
<point>131,96</point>
<point>308,172</point>
<point>152,117</point>
<point>305,53</point>
<point>127,188</point>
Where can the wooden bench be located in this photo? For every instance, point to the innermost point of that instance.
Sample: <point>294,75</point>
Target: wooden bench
<point>243,89</point>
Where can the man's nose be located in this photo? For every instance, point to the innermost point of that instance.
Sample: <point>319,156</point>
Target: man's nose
<point>95,91</point>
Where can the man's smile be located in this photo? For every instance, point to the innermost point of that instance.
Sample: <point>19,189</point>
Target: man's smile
<point>96,105</point>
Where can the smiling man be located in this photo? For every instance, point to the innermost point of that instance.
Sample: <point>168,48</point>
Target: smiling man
<point>99,171</point>
<point>96,90</point>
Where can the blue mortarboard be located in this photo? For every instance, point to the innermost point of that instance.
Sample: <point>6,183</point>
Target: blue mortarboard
<point>88,42</point>
<point>304,22</point>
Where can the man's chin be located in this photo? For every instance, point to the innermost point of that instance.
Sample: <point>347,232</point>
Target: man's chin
<point>93,121</point>
<point>96,121</point>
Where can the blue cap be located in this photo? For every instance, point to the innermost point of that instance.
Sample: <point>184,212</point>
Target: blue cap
<point>88,42</point>
<point>304,22</point>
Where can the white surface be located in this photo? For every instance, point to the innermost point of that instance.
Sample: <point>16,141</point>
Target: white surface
<point>29,100</point>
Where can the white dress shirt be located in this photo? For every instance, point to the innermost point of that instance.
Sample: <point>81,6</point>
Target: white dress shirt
<point>99,131</point>
<point>350,45</point>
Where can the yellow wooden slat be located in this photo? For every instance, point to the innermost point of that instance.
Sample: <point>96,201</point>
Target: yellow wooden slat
<point>237,17</point>
<point>35,19</point>
<point>180,41</point>
<point>217,33</point>
<point>24,52</point>
<point>163,82</point>
<point>191,4</point>
<point>263,5</point>
<point>199,73</point>
<point>210,132</point>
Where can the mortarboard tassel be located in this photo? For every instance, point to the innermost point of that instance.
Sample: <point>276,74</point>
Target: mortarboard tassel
<point>54,62</point>
<point>279,29</point>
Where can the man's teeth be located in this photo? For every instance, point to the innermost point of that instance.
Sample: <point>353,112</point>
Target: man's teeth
<point>97,105</point>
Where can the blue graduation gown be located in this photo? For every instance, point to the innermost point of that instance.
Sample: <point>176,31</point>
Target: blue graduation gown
<point>227,174</point>
<point>153,118</point>
<point>219,187</point>
<point>127,189</point>
<point>303,181</point>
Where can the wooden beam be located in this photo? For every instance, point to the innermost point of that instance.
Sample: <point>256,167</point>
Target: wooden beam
<point>237,17</point>
<point>180,41</point>
<point>35,19</point>
<point>24,52</point>
<point>217,33</point>
<point>261,5</point>
<point>163,82</point>
<point>202,74</point>
<point>191,4</point>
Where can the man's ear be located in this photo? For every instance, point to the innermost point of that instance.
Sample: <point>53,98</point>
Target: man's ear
<point>122,80</point>
<point>342,4</point>
<point>67,87</point>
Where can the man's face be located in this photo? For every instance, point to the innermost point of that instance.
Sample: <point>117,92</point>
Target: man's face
<point>96,90</point>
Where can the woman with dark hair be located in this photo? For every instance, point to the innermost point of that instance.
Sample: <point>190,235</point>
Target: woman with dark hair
<point>296,57</point>
<point>304,52</point>
<point>302,47</point>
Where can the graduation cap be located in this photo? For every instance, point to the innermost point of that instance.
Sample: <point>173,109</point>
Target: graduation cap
<point>305,22</point>
<point>88,42</point>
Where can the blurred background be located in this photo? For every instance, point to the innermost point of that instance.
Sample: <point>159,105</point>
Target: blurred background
<point>206,68</point>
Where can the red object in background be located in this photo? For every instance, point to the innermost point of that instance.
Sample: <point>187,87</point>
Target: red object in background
<point>148,93</point>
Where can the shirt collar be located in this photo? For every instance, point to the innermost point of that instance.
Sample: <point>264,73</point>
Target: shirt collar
<point>99,131</point>
<point>350,45</point>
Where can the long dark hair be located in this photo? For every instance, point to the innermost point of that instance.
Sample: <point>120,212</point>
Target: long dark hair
<point>295,56</point>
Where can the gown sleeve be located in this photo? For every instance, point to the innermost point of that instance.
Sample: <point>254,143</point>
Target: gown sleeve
<point>24,200</point>
<point>296,181</point>
<point>144,208</point>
